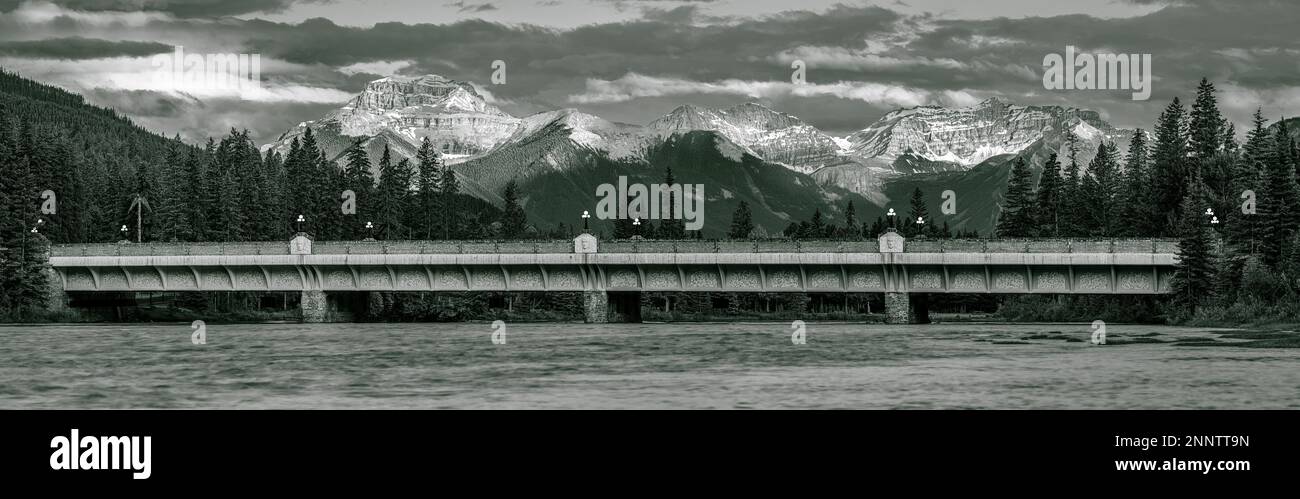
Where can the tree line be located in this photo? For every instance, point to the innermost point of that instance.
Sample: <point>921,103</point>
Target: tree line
<point>1235,208</point>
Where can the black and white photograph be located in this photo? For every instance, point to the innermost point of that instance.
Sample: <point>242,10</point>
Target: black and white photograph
<point>943,211</point>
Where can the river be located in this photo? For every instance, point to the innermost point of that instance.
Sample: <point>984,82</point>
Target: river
<point>649,366</point>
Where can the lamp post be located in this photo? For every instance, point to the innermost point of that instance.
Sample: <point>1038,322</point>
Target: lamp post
<point>298,223</point>
<point>124,231</point>
<point>920,226</point>
<point>370,231</point>
<point>22,252</point>
<point>891,216</point>
<point>1213,219</point>
<point>585,216</point>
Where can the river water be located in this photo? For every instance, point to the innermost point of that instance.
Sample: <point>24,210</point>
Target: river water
<point>723,366</point>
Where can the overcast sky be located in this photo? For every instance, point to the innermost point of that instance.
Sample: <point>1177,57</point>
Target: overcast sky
<point>634,60</point>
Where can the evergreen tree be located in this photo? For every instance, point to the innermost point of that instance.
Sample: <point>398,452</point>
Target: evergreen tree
<point>877,228</point>
<point>1169,168</point>
<point>392,196</point>
<point>1048,203</point>
<point>917,211</point>
<point>742,222</point>
<point>672,226</point>
<point>1279,203</point>
<point>1194,281</point>
<point>816,226</point>
<point>1206,126</point>
<point>513,219</point>
<point>1136,207</point>
<point>1017,217</point>
<point>448,204</point>
<point>1098,194</point>
<point>851,222</point>
<point>1244,231</point>
<point>430,184</point>
<point>359,180</point>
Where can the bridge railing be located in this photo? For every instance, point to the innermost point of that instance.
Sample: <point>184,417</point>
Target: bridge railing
<point>624,246</point>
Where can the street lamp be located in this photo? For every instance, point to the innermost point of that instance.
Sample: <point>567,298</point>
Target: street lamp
<point>891,215</point>
<point>22,252</point>
<point>1214,220</point>
<point>370,231</point>
<point>124,236</point>
<point>298,223</point>
<point>585,216</point>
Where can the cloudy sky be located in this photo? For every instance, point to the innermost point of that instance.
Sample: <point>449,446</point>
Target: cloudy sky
<point>634,60</point>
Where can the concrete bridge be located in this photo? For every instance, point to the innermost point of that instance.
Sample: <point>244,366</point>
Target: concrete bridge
<point>889,265</point>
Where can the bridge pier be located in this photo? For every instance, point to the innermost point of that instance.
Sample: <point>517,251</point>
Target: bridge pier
<point>902,308</point>
<point>315,306</point>
<point>595,307</point>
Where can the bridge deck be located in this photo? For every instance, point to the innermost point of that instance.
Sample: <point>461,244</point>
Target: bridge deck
<point>1130,246</point>
<point>930,266</point>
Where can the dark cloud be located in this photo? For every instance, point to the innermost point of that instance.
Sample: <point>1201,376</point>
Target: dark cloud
<point>80,48</point>
<point>681,14</point>
<point>1247,47</point>
<point>462,6</point>
<point>181,8</point>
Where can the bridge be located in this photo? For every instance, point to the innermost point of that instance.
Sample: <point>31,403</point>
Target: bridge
<point>890,265</point>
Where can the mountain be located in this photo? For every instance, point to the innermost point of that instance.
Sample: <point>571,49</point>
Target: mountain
<point>926,139</point>
<point>400,112</point>
<point>967,147</point>
<point>774,136</point>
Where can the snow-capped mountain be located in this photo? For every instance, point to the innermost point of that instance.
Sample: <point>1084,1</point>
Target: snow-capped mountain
<point>771,135</point>
<point>965,137</point>
<point>558,148</point>
<point>403,111</point>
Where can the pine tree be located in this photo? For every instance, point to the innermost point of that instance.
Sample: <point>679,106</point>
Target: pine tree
<point>430,166</point>
<point>1279,203</point>
<point>1194,280</point>
<point>1206,126</point>
<point>1136,207</point>
<point>877,228</point>
<point>816,225</point>
<point>392,196</point>
<point>513,219</point>
<point>1169,168</point>
<point>448,204</point>
<point>1017,217</point>
<point>672,226</point>
<point>916,212</point>
<point>1100,193</point>
<point>360,181</point>
<point>851,222</point>
<point>742,222</point>
<point>1048,203</point>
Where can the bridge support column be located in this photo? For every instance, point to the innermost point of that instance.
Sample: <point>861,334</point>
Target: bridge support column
<point>897,308</point>
<point>315,308</point>
<point>902,308</point>
<point>595,307</point>
<point>56,298</point>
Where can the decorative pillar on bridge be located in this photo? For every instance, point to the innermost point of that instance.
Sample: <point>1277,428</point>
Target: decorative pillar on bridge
<point>595,301</point>
<point>898,306</point>
<point>314,304</point>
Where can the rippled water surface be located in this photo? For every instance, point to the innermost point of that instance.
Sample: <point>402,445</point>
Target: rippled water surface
<point>753,365</point>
